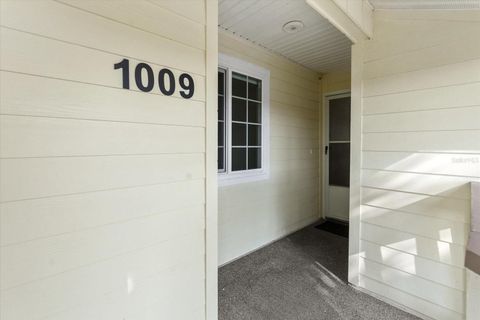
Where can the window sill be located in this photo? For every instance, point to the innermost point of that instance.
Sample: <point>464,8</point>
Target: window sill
<point>233,179</point>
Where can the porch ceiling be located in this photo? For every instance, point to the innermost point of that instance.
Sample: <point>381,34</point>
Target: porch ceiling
<point>426,4</point>
<point>318,46</point>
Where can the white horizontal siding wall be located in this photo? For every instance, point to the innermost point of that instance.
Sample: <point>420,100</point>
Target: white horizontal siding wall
<point>254,214</point>
<point>421,148</point>
<point>102,189</point>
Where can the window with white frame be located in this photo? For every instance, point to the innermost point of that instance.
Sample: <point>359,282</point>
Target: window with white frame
<point>243,118</point>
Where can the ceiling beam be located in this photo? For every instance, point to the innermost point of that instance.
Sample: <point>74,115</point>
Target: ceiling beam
<point>352,17</point>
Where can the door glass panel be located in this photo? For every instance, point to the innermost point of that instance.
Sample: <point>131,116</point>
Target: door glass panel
<point>339,119</point>
<point>339,164</point>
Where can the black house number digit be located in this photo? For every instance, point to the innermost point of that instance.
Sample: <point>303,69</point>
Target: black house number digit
<point>166,79</point>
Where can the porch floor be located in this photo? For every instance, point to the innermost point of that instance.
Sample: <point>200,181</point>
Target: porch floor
<point>300,277</point>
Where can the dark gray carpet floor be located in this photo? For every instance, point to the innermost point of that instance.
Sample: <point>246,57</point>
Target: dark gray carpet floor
<point>300,277</point>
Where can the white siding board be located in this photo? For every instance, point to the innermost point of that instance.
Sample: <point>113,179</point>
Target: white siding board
<point>98,284</point>
<point>433,206</point>
<point>464,118</point>
<point>422,288</point>
<point>26,53</point>
<point>110,36</point>
<point>439,251</point>
<point>52,98</point>
<point>39,137</point>
<point>425,226</point>
<point>463,165</point>
<point>400,297</point>
<point>458,73</point>
<point>465,141</point>
<point>464,49</point>
<point>441,273</point>
<point>455,96</point>
<point>30,261</point>
<point>144,15</point>
<point>435,185</point>
<point>421,28</point>
<point>19,220</point>
<point>29,178</point>
<point>193,10</point>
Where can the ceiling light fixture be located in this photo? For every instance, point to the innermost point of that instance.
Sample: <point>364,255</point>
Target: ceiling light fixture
<point>293,26</point>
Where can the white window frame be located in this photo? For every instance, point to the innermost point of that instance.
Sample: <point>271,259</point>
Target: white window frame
<point>229,177</point>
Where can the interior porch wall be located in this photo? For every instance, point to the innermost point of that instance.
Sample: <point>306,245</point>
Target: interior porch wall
<point>254,214</point>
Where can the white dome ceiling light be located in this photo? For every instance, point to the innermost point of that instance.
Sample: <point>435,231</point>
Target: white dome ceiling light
<point>293,26</point>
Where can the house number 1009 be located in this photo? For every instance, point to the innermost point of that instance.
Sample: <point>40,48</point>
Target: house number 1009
<point>164,76</point>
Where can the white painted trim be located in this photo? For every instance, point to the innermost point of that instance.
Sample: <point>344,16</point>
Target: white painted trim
<point>211,189</point>
<point>355,163</point>
<point>230,64</point>
<point>325,141</point>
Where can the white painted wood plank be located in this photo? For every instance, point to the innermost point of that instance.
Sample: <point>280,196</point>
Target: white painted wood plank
<point>124,286</point>
<point>464,165</point>
<point>28,220</point>
<point>433,228</point>
<point>439,251</point>
<point>31,261</point>
<point>293,143</point>
<point>435,185</point>
<point>110,36</point>
<point>44,177</point>
<point>277,189</point>
<point>301,203</point>
<point>455,96</point>
<point>466,118</point>
<point>458,73</point>
<point>191,9</point>
<point>398,32</point>
<point>145,15</point>
<point>447,275</point>
<point>279,96</point>
<point>430,206</point>
<point>430,309</point>
<point>22,136</point>
<point>463,48</point>
<point>293,89</point>
<point>446,297</point>
<point>49,97</point>
<point>27,53</point>
<point>466,141</point>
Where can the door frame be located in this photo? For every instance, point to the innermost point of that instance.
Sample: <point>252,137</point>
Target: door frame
<point>325,134</point>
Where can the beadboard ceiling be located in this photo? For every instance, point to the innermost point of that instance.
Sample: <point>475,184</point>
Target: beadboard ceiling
<point>426,4</point>
<point>318,46</point>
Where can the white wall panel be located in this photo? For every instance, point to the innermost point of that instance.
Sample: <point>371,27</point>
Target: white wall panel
<point>254,214</point>
<point>103,195</point>
<point>420,151</point>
